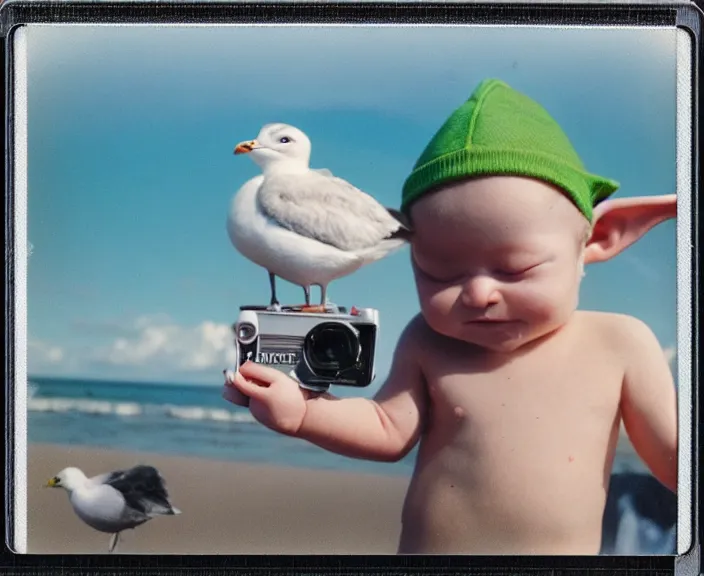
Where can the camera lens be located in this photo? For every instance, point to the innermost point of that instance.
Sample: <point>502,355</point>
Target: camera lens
<point>331,347</point>
<point>246,331</point>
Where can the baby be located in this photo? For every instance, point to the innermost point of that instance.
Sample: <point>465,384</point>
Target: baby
<point>515,396</point>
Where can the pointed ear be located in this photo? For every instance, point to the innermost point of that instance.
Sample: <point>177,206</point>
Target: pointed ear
<point>621,222</point>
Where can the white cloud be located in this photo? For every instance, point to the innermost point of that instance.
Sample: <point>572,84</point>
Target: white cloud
<point>44,354</point>
<point>48,358</point>
<point>149,347</point>
<point>159,341</point>
<point>55,354</point>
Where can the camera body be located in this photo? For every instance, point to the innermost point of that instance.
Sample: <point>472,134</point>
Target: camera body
<point>320,348</point>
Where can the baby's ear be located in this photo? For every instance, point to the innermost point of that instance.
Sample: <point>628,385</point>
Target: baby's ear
<point>621,222</point>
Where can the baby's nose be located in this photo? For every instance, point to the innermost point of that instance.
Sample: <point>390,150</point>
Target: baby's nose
<point>480,292</point>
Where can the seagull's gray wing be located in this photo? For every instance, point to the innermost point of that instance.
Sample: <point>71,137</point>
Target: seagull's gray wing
<point>326,208</point>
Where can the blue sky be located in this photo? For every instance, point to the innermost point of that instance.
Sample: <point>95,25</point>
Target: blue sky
<point>131,171</point>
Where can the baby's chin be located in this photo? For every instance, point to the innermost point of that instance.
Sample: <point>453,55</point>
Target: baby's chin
<point>499,346</point>
<point>505,338</point>
<point>505,347</point>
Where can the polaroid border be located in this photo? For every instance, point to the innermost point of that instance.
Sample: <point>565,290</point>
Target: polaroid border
<point>687,17</point>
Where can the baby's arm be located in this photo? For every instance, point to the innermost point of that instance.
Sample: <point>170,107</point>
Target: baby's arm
<point>649,403</point>
<point>384,429</point>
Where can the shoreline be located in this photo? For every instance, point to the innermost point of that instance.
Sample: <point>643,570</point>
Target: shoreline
<point>147,454</point>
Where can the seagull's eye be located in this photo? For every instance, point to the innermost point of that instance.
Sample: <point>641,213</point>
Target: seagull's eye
<point>284,139</point>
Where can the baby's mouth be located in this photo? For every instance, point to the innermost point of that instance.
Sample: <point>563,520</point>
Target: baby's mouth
<point>488,321</point>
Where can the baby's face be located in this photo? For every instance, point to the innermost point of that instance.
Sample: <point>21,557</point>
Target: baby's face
<point>497,260</point>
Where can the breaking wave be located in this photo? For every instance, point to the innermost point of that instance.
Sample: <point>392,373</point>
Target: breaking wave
<point>135,409</point>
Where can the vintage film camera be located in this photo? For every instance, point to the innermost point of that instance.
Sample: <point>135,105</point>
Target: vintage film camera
<point>318,349</point>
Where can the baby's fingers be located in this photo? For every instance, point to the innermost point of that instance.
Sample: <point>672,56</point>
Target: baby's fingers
<point>264,374</point>
<point>247,387</point>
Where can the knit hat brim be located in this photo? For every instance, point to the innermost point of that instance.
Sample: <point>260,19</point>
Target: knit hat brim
<point>586,190</point>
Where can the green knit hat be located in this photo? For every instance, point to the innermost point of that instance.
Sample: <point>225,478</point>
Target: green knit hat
<point>501,131</point>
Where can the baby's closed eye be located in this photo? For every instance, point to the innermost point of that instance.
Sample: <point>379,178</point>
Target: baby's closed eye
<point>438,274</point>
<point>517,271</point>
<point>440,278</point>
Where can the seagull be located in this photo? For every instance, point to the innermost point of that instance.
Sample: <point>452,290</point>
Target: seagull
<point>116,501</point>
<point>306,225</point>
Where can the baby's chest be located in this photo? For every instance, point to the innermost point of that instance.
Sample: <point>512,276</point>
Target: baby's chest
<point>527,399</point>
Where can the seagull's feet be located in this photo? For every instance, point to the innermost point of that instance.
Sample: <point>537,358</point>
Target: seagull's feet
<point>274,307</point>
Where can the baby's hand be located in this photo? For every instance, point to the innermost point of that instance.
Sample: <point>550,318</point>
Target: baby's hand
<point>273,398</point>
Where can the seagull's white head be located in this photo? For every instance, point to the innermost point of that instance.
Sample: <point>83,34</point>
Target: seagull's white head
<point>278,146</point>
<point>68,478</point>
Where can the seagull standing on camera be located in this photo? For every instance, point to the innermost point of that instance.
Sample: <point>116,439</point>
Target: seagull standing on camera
<point>306,226</point>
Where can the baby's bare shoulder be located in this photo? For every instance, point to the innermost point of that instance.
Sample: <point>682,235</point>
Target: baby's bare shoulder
<point>620,332</point>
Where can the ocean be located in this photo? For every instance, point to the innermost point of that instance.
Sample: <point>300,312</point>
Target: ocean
<point>182,420</point>
<point>194,420</point>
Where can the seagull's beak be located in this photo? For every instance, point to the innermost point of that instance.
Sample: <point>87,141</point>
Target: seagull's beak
<point>246,147</point>
<point>51,483</point>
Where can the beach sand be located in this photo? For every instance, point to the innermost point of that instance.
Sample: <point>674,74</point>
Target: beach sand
<point>227,508</point>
